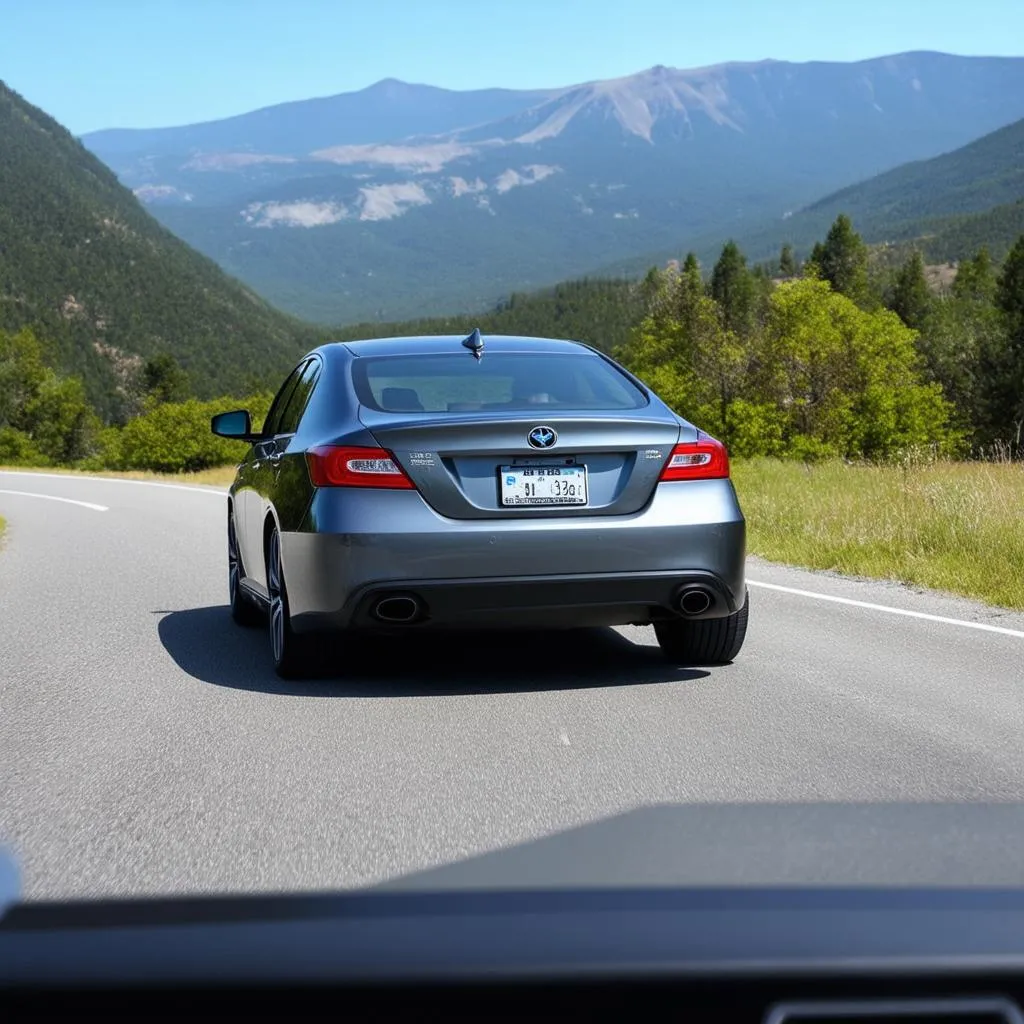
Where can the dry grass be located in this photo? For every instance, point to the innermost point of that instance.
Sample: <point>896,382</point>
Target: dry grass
<point>220,476</point>
<point>955,526</point>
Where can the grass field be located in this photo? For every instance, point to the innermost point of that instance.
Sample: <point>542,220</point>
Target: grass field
<point>956,526</point>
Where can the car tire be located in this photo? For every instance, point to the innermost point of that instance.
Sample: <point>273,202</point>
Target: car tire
<point>704,641</point>
<point>243,611</point>
<point>288,649</point>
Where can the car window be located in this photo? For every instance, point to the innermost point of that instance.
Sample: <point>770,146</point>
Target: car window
<point>500,381</point>
<point>299,398</point>
<point>270,425</point>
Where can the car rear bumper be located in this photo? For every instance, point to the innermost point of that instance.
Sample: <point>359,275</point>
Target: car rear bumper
<point>536,571</point>
<point>537,602</point>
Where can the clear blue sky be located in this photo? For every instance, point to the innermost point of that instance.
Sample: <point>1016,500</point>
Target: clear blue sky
<point>144,63</point>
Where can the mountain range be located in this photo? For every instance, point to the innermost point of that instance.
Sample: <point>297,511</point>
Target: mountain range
<point>406,200</point>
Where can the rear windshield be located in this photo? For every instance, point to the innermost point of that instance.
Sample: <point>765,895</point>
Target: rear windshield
<point>457,382</point>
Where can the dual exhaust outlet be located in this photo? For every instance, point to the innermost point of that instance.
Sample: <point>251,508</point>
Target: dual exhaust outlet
<point>401,609</point>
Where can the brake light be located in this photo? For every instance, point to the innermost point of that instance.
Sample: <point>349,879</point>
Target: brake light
<point>336,466</point>
<point>705,459</point>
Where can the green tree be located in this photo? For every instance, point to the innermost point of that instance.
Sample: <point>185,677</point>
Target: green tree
<point>961,336</point>
<point>842,260</point>
<point>1003,366</point>
<point>163,379</point>
<point>957,334</point>
<point>732,287</point>
<point>976,278</point>
<point>846,381</point>
<point>44,418</point>
<point>787,262</point>
<point>652,288</point>
<point>22,372</point>
<point>689,287</point>
<point>60,420</point>
<point>911,298</point>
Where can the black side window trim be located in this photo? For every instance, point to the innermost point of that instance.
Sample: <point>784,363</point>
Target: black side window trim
<point>312,367</point>
<point>281,400</point>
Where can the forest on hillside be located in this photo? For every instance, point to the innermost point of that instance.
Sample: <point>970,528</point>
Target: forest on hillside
<point>105,287</point>
<point>848,354</point>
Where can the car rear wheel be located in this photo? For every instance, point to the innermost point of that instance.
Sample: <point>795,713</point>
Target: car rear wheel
<point>704,641</point>
<point>243,611</point>
<point>288,649</point>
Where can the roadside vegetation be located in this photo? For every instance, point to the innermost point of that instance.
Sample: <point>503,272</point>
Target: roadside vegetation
<point>875,413</point>
<point>953,526</point>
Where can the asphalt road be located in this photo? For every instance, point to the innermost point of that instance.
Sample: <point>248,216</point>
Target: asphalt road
<point>147,747</point>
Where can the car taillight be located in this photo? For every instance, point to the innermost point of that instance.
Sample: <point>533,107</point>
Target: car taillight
<point>336,466</point>
<point>705,459</point>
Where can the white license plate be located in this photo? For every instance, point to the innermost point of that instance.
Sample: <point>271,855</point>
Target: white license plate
<point>543,485</point>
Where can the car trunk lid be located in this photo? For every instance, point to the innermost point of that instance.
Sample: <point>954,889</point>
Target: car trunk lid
<point>469,466</point>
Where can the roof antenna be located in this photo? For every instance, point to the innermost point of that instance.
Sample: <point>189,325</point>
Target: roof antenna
<point>475,343</point>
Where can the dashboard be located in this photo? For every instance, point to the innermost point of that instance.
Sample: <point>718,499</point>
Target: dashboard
<point>754,954</point>
<point>774,913</point>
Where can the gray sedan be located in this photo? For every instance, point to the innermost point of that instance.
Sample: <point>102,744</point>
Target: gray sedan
<point>406,484</point>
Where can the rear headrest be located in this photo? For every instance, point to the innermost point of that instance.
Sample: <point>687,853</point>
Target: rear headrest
<point>401,400</point>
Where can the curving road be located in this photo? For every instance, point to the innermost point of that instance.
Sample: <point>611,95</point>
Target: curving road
<point>147,747</point>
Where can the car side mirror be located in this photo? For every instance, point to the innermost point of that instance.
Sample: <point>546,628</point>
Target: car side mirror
<point>236,424</point>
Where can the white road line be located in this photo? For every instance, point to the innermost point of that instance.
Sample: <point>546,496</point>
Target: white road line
<point>889,610</point>
<point>53,497</point>
<point>194,488</point>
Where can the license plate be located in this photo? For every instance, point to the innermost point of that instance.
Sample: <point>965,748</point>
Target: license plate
<point>543,485</point>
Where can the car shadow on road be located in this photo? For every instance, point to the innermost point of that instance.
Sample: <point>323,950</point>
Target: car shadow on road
<point>207,645</point>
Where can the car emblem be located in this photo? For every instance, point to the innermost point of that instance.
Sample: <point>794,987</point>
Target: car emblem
<point>542,437</point>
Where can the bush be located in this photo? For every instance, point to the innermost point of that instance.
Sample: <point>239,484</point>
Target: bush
<point>107,453</point>
<point>755,429</point>
<point>18,449</point>
<point>176,437</point>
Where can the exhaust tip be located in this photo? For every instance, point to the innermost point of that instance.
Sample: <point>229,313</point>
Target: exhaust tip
<point>695,601</point>
<point>399,608</point>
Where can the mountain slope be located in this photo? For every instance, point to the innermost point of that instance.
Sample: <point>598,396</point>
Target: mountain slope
<point>951,204</point>
<point>383,228</point>
<point>957,237</point>
<point>81,260</point>
<point>987,172</point>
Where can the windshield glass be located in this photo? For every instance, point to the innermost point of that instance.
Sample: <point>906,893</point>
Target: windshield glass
<point>458,382</point>
<point>624,409</point>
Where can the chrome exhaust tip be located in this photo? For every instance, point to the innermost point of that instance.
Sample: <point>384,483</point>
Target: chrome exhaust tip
<point>695,601</point>
<point>397,609</point>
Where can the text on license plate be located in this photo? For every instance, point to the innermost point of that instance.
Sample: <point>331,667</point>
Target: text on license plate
<point>543,485</point>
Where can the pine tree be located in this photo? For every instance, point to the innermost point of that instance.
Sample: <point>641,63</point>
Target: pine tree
<point>842,260</point>
<point>1009,294</point>
<point>652,288</point>
<point>689,287</point>
<point>911,297</point>
<point>976,278</point>
<point>732,287</point>
<point>1005,376</point>
<point>787,262</point>
<point>164,379</point>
